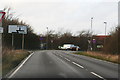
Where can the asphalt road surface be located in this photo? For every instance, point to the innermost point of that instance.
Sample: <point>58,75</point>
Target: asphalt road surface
<point>64,64</point>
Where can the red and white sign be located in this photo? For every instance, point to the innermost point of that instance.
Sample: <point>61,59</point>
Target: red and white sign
<point>2,14</point>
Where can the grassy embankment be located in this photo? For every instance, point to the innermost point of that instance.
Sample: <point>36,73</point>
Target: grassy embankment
<point>99,55</point>
<point>11,59</point>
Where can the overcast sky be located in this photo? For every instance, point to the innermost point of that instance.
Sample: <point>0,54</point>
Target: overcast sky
<point>65,15</point>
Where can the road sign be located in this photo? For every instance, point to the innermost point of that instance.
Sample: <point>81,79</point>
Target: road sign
<point>1,29</point>
<point>94,41</point>
<point>41,38</point>
<point>17,29</point>
<point>2,14</point>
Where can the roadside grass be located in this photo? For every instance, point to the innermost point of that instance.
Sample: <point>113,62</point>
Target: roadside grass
<point>103,56</point>
<point>11,59</point>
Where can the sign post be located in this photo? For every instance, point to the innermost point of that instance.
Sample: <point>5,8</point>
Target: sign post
<point>41,46</point>
<point>22,41</point>
<point>1,31</point>
<point>12,40</point>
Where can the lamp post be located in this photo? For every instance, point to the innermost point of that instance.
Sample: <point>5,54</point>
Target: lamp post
<point>105,32</point>
<point>91,23</point>
<point>47,39</point>
<point>91,33</point>
<point>105,27</point>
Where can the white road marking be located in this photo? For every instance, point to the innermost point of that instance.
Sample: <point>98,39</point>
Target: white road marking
<point>97,75</point>
<point>61,56</point>
<point>86,69</point>
<point>67,59</point>
<point>20,65</point>
<point>78,65</point>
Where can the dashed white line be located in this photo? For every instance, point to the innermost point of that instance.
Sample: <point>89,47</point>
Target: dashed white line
<point>61,56</point>
<point>86,69</point>
<point>20,66</point>
<point>67,59</point>
<point>97,75</point>
<point>78,65</point>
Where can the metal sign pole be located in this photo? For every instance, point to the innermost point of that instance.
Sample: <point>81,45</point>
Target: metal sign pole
<point>12,40</point>
<point>0,52</point>
<point>1,17</point>
<point>1,38</point>
<point>22,41</point>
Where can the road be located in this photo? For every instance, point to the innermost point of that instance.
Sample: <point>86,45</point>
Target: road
<point>64,64</point>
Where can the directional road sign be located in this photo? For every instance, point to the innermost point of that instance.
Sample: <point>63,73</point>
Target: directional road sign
<point>17,29</point>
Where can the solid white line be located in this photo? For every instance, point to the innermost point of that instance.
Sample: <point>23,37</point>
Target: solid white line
<point>97,75</point>
<point>78,65</point>
<point>67,59</point>
<point>20,65</point>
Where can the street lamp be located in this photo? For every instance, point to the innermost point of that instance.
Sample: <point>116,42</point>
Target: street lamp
<point>91,23</point>
<point>105,32</point>
<point>105,27</point>
<point>91,33</point>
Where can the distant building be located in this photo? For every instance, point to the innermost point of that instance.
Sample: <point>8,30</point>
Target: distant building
<point>98,41</point>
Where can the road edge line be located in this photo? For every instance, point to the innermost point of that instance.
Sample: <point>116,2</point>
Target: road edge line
<point>21,64</point>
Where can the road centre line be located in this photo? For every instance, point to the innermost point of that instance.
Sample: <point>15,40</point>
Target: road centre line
<point>67,59</point>
<point>61,56</point>
<point>20,65</point>
<point>97,75</point>
<point>73,62</point>
<point>78,65</point>
<point>85,69</point>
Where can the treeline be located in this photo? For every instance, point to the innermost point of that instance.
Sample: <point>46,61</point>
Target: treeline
<point>58,39</point>
<point>112,44</point>
<point>52,39</point>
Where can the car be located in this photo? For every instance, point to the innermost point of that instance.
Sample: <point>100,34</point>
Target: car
<point>69,47</point>
<point>75,48</point>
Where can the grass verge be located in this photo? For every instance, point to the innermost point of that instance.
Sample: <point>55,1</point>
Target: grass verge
<point>11,59</point>
<point>99,55</point>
